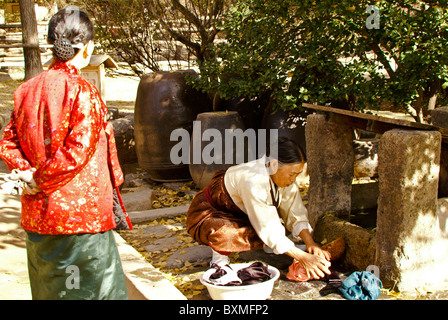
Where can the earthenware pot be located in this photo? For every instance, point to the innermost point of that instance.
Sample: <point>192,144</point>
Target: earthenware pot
<point>164,103</point>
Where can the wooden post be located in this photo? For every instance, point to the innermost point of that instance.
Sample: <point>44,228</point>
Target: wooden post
<point>30,36</point>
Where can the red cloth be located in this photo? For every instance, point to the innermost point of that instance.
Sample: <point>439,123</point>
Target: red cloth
<point>296,272</point>
<point>336,248</point>
<point>58,127</point>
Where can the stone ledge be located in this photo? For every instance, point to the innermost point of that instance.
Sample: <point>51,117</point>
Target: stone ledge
<point>144,282</point>
<point>152,214</point>
<point>360,243</point>
<point>137,199</point>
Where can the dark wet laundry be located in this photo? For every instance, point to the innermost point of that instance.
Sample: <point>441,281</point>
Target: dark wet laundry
<point>256,272</point>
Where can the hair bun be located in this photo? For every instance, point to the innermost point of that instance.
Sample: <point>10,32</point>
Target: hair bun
<point>63,49</point>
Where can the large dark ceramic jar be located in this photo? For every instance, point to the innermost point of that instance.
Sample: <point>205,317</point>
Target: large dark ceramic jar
<point>289,123</point>
<point>208,148</point>
<point>164,103</point>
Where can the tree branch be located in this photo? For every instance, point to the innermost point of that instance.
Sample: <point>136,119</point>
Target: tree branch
<point>178,37</point>
<point>191,18</point>
<point>382,58</point>
<point>217,10</point>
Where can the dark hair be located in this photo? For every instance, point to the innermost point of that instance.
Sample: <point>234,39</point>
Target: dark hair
<point>288,151</point>
<point>68,27</point>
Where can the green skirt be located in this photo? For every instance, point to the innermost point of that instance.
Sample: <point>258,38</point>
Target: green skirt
<point>75,267</point>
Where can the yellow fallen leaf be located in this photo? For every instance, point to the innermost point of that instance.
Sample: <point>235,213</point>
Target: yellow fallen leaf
<point>394,294</point>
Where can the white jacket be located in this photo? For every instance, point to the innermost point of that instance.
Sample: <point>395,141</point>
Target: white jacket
<point>249,185</point>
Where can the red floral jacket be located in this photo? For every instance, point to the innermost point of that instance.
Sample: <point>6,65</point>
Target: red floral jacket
<point>59,127</point>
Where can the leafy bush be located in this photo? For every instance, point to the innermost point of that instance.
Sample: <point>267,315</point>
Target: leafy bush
<point>326,52</point>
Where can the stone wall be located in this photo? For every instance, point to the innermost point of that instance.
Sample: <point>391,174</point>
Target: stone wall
<point>410,252</point>
<point>360,243</point>
<point>410,243</point>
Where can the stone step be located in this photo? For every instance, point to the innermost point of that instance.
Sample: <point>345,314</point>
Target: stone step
<point>143,281</point>
<point>153,214</point>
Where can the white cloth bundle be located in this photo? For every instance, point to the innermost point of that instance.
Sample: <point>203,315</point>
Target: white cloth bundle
<point>14,182</point>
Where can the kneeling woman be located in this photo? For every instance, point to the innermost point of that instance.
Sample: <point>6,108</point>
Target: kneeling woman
<point>243,208</point>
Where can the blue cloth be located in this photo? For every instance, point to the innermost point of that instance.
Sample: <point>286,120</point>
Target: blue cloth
<point>361,285</point>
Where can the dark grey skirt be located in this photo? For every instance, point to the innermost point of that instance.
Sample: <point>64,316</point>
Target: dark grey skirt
<point>75,267</point>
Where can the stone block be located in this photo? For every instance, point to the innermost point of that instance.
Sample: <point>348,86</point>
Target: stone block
<point>137,199</point>
<point>124,139</point>
<point>439,117</point>
<point>330,167</point>
<point>442,216</point>
<point>360,243</point>
<point>365,195</point>
<point>410,252</point>
<point>195,255</point>
<point>366,158</point>
<point>153,214</point>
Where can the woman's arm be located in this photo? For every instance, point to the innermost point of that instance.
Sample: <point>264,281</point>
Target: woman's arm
<point>10,150</point>
<point>295,216</point>
<point>311,246</point>
<point>86,123</point>
<point>263,216</point>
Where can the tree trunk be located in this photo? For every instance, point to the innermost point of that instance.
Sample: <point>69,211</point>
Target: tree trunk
<point>30,36</point>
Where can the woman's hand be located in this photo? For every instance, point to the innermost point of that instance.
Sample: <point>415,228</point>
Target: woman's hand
<point>316,262</point>
<point>30,187</point>
<point>315,266</point>
<point>311,246</point>
<point>30,190</point>
<point>315,249</point>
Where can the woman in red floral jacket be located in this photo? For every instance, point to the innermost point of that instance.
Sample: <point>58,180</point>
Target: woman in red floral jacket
<point>59,131</point>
